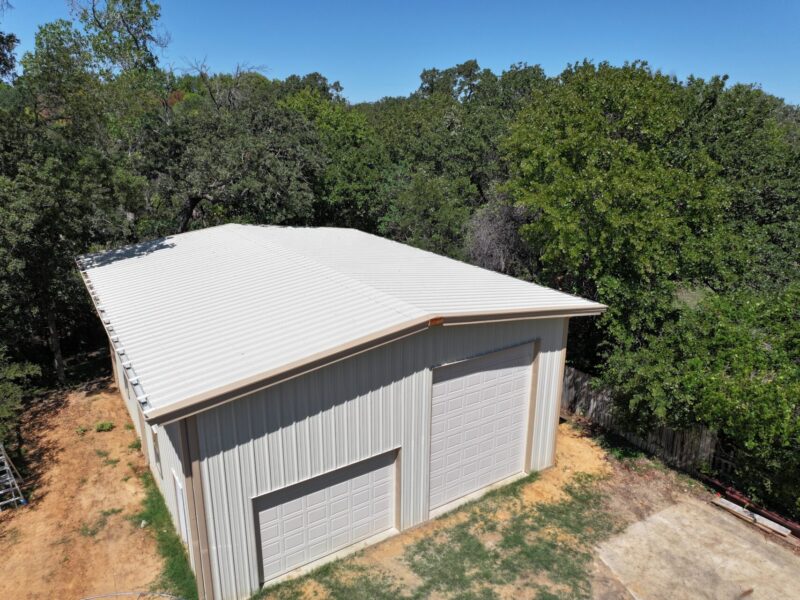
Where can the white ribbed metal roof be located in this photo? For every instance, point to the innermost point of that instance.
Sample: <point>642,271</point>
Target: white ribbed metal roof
<point>205,312</point>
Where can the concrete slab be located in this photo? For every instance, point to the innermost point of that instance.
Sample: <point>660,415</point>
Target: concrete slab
<point>694,550</point>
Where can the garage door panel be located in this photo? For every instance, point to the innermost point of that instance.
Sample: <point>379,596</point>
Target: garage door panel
<point>293,524</point>
<point>307,521</point>
<point>479,417</point>
<point>269,514</point>
<point>381,505</point>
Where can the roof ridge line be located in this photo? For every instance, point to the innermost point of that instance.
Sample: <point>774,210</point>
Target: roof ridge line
<point>470,264</point>
<point>376,294</point>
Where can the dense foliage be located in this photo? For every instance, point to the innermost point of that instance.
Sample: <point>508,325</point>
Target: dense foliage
<point>673,202</point>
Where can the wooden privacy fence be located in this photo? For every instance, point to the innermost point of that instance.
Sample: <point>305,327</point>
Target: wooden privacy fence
<point>688,449</point>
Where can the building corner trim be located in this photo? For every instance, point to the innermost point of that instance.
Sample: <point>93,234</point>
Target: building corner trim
<point>196,507</point>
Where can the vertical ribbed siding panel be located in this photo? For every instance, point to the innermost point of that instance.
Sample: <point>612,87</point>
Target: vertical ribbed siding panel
<point>116,367</point>
<point>551,375</point>
<point>341,414</point>
<point>169,449</point>
<point>169,441</point>
<point>151,455</point>
<point>129,396</point>
<point>169,446</point>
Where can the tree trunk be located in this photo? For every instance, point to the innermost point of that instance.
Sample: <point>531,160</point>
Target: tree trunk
<point>55,346</point>
<point>187,214</point>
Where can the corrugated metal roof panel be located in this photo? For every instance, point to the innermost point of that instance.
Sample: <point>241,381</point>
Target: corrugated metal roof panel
<point>203,310</point>
<point>431,282</point>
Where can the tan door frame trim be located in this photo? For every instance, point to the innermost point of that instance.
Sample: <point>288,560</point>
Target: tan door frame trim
<point>398,490</point>
<point>532,404</point>
<point>195,501</point>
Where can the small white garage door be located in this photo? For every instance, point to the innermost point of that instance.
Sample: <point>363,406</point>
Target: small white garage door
<point>479,421</point>
<point>305,522</point>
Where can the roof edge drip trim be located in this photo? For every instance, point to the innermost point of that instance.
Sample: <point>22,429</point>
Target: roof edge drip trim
<point>127,367</point>
<point>213,397</point>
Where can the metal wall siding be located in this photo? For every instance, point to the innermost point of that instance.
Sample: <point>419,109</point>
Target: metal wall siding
<point>547,413</point>
<point>125,390</point>
<point>341,414</point>
<point>169,444</point>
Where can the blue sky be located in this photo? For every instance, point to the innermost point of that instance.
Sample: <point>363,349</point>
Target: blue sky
<point>378,48</point>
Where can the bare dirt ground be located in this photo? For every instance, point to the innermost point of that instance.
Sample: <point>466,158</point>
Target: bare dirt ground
<point>75,538</point>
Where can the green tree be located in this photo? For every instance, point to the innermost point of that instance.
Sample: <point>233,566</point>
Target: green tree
<point>229,150</point>
<point>426,211</point>
<point>448,132</point>
<point>731,362</point>
<point>14,376</point>
<point>122,33</point>
<point>60,193</point>
<point>755,139</point>
<point>622,205</point>
<point>355,161</point>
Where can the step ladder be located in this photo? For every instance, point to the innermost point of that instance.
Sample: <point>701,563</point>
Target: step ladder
<point>10,494</point>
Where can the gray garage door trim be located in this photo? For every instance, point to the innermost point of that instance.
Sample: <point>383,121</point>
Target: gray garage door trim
<point>481,417</point>
<point>322,517</point>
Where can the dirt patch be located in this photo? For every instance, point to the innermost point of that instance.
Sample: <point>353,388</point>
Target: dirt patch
<point>575,453</point>
<point>75,539</point>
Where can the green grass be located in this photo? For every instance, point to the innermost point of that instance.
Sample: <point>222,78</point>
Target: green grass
<point>135,444</point>
<point>176,576</point>
<point>512,490</point>
<point>128,426</point>
<point>455,563</point>
<point>549,542</point>
<point>81,430</point>
<point>103,426</point>
<point>96,526</point>
<point>618,447</point>
<point>544,548</point>
<point>104,454</point>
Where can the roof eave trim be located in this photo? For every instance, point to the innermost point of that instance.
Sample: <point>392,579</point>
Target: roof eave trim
<point>128,372</point>
<point>227,393</point>
<point>465,318</point>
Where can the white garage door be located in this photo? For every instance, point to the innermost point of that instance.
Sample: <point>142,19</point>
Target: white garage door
<point>307,521</point>
<point>479,420</point>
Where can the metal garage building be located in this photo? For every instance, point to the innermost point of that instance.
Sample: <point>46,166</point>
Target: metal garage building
<point>302,392</point>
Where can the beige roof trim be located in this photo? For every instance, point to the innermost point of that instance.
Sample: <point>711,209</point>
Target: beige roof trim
<point>227,393</point>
